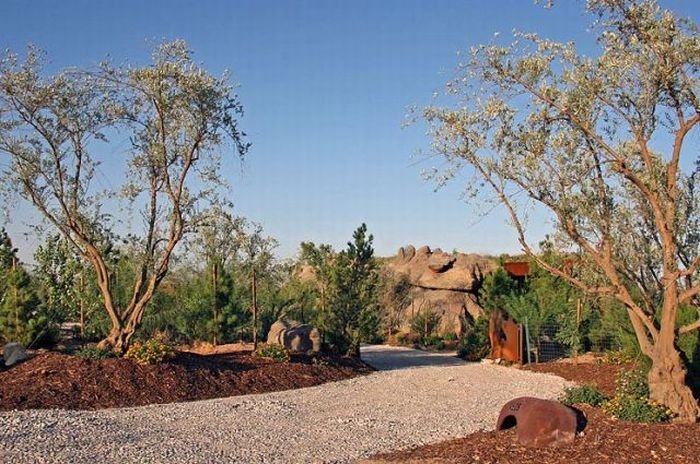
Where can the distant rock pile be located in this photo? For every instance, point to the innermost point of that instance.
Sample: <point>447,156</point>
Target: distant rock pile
<point>443,283</point>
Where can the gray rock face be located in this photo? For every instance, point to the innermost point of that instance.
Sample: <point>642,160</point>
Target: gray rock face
<point>295,336</point>
<point>14,353</point>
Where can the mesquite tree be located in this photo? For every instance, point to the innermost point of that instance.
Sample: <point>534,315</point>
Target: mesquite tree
<point>176,117</point>
<point>597,143</point>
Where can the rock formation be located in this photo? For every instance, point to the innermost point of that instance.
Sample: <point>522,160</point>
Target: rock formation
<point>295,336</point>
<point>443,283</point>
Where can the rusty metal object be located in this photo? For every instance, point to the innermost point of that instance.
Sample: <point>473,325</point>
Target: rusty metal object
<point>506,337</point>
<point>539,422</point>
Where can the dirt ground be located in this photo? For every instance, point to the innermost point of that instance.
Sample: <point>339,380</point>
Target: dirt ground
<point>604,440</point>
<point>54,380</point>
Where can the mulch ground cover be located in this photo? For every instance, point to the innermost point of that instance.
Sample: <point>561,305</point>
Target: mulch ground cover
<point>599,374</point>
<point>55,380</point>
<point>604,439</point>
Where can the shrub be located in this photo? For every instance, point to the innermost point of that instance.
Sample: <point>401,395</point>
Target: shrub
<point>434,341</point>
<point>152,351</point>
<point>636,409</point>
<point>631,401</point>
<point>585,394</point>
<point>93,352</point>
<point>273,351</point>
<point>450,337</point>
<point>618,357</point>
<point>632,383</point>
<point>475,345</point>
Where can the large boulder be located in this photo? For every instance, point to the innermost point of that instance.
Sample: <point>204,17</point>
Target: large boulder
<point>13,353</point>
<point>444,283</point>
<point>295,336</point>
<point>539,422</point>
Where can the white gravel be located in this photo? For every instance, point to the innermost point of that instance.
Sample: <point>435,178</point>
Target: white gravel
<point>336,422</point>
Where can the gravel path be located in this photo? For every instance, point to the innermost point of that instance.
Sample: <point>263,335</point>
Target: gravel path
<point>337,422</point>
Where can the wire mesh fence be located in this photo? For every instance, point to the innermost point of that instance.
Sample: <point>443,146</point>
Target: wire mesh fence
<point>555,339</point>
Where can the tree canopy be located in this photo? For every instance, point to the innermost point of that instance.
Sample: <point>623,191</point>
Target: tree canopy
<point>600,144</point>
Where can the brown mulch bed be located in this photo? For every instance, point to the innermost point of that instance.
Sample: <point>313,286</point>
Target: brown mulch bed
<point>605,440</point>
<point>599,374</point>
<point>55,380</point>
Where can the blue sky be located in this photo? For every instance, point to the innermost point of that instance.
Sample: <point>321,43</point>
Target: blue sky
<point>325,87</point>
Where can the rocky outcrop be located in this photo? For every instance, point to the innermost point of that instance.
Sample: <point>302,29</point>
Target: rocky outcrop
<point>295,336</point>
<point>445,283</point>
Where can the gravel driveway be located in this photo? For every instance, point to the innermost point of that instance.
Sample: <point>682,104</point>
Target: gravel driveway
<point>416,399</point>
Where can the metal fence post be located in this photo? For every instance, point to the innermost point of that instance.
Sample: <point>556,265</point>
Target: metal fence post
<point>527,341</point>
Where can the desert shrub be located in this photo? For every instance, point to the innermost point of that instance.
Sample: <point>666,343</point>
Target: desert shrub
<point>585,394</point>
<point>475,345</point>
<point>636,409</point>
<point>401,338</point>
<point>93,352</point>
<point>632,383</point>
<point>434,341</point>
<point>151,351</point>
<point>425,323</point>
<point>631,401</point>
<point>618,357</point>
<point>273,351</point>
<point>450,336</point>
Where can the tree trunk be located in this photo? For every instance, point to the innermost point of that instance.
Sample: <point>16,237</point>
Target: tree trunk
<point>667,381</point>
<point>118,339</point>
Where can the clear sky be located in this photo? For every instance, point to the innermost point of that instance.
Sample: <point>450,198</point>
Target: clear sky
<point>325,86</point>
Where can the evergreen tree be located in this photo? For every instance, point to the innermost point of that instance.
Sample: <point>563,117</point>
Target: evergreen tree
<point>353,309</point>
<point>20,318</point>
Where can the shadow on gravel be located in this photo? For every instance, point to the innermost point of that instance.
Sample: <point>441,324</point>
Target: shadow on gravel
<point>386,358</point>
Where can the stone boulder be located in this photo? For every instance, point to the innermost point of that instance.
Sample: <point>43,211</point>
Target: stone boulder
<point>295,336</point>
<point>13,353</point>
<point>444,283</point>
<point>540,422</point>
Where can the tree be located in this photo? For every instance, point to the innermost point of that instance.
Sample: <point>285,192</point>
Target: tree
<point>20,318</point>
<point>537,123</point>
<point>59,271</point>
<point>353,310</point>
<point>176,117</point>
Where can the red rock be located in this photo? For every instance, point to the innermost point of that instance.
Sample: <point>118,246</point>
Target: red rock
<point>540,422</point>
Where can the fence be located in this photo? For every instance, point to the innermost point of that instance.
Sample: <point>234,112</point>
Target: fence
<point>554,339</point>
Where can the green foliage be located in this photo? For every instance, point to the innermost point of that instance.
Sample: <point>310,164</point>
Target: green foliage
<point>22,317</point>
<point>585,394</point>
<point>353,314</point>
<point>151,351</point>
<point>475,344</point>
<point>425,323</point>
<point>274,351</point>
<point>496,290</point>
<point>93,352</point>
<point>636,409</point>
<point>58,269</point>
<point>631,401</point>
<point>618,357</point>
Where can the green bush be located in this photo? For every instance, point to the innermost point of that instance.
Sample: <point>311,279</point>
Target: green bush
<point>636,409</point>
<point>93,352</point>
<point>631,401</point>
<point>585,394</point>
<point>273,351</point>
<point>632,383</point>
<point>152,351</point>
<point>475,345</point>
<point>450,337</point>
